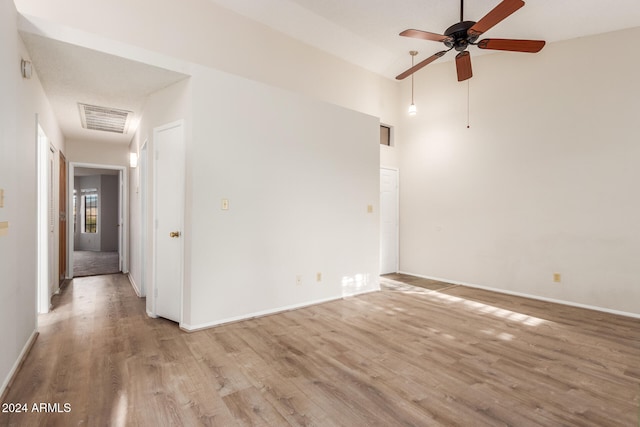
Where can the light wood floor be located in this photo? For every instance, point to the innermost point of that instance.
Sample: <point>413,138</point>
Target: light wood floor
<point>403,356</point>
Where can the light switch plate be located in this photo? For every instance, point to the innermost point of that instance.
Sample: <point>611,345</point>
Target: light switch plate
<point>225,204</point>
<point>1,197</point>
<point>4,228</point>
<point>370,208</point>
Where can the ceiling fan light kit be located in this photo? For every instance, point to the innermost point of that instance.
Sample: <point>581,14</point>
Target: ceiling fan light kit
<point>463,34</point>
<point>412,108</point>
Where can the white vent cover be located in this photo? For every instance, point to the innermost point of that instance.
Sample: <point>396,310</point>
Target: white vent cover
<point>103,118</point>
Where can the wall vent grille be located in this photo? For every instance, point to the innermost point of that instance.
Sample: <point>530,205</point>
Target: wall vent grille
<point>105,119</point>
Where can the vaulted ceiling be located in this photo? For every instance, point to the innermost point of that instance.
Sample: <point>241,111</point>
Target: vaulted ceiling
<point>363,32</point>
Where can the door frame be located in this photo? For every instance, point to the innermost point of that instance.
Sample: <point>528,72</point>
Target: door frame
<point>63,204</point>
<point>46,261</point>
<point>151,295</point>
<point>397,207</point>
<point>143,183</point>
<point>123,213</point>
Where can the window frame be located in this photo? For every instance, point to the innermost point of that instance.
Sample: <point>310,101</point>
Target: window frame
<point>390,133</point>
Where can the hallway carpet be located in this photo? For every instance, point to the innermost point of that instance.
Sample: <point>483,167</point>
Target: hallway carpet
<point>91,263</point>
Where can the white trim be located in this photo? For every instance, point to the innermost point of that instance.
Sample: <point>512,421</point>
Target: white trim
<point>43,298</point>
<point>134,285</point>
<point>397,171</point>
<point>525,295</point>
<point>143,200</point>
<point>392,135</point>
<point>123,211</point>
<point>19,361</point>
<point>194,328</point>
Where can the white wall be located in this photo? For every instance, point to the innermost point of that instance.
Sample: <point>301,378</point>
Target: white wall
<point>544,181</point>
<point>299,175</point>
<point>97,153</point>
<point>20,101</point>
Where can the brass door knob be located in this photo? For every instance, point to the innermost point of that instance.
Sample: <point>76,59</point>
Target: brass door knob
<point>174,234</point>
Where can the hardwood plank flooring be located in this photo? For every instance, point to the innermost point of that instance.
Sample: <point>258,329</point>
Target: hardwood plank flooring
<point>432,354</point>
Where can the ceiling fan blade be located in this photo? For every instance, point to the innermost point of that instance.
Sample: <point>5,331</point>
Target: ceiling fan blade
<point>500,12</point>
<point>421,64</point>
<point>424,35</point>
<point>531,46</point>
<point>463,65</point>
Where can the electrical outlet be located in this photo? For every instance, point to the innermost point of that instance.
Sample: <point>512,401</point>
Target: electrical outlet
<point>557,277</point>
<point>318,277</point>
<point>225,204</point>
<point>298,280</point>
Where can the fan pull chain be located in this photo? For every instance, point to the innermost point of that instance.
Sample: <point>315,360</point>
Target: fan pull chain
<point>468,96</point>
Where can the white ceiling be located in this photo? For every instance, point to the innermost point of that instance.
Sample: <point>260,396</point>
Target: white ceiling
<point>71,74</point>
<point>364,32</point>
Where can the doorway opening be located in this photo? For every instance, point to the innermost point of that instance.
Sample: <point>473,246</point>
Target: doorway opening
<point>97,227</point>
<point>47,243</point>
<point>389,221</point>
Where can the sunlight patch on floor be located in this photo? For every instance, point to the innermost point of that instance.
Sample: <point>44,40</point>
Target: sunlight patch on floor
<point>475,306</point>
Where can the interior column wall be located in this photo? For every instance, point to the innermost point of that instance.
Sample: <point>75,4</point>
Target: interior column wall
<point>302,180</point>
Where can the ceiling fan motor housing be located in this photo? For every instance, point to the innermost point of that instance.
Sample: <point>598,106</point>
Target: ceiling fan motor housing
<point>460,38</point>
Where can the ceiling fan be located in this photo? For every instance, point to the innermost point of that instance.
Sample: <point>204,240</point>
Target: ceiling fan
<point>459,36</point>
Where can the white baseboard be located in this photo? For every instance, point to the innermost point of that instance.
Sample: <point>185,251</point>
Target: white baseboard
<point>367,291</point>
<point>525,295</point>
<point>134,285</point>
<point>193,328</point>
<point>19,361</point>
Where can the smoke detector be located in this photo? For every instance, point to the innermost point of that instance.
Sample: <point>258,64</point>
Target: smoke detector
<point>105,119</point>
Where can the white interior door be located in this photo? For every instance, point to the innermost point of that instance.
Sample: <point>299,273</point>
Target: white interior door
<point>168,215</point>
<point>388,221</point>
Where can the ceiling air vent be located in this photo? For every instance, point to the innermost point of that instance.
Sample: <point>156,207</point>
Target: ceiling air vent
<point>103,118</point>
